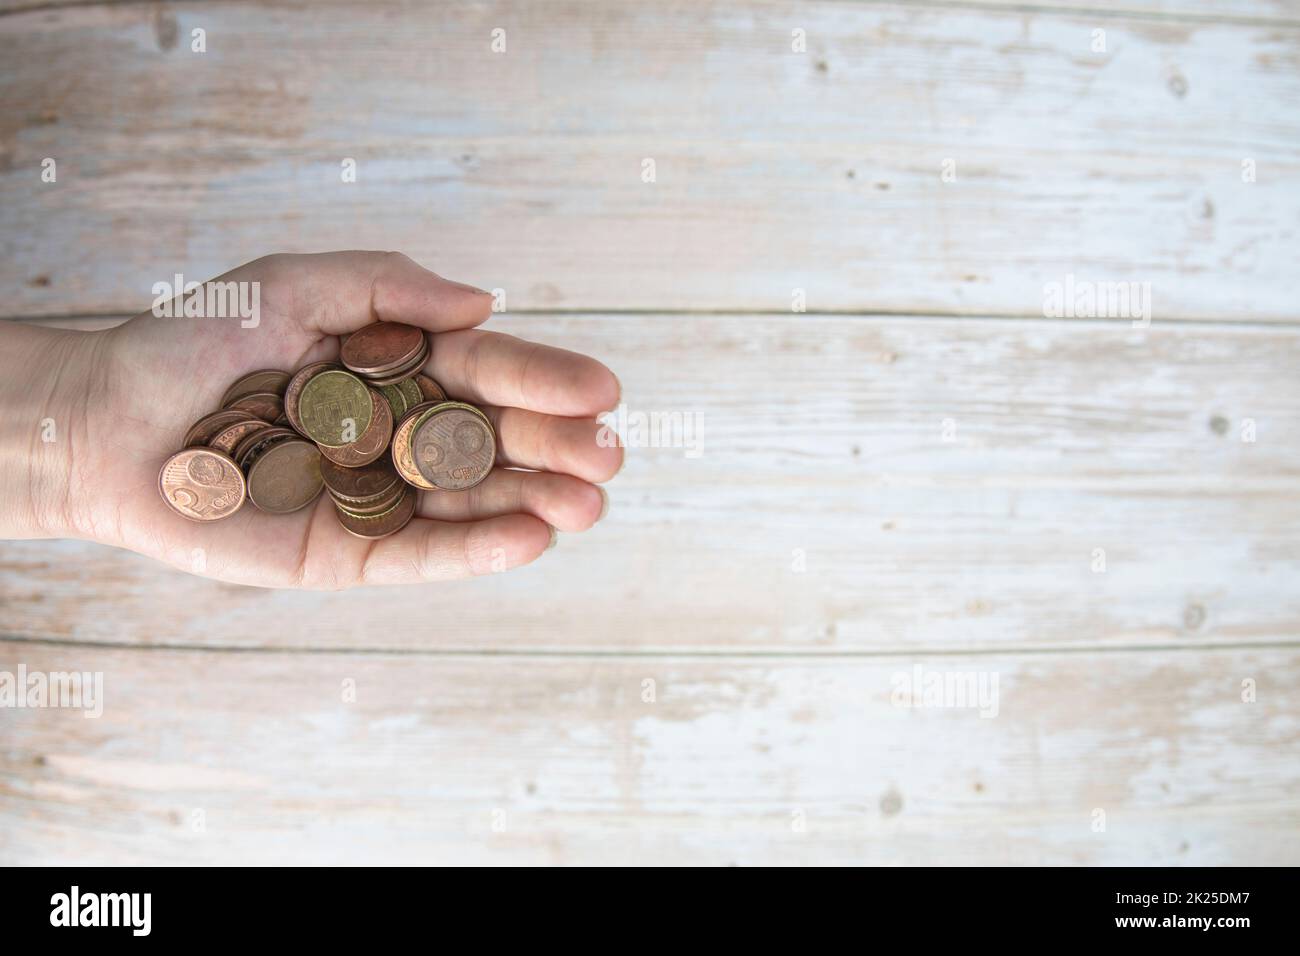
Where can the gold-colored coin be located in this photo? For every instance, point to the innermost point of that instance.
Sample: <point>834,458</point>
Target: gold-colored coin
<point>335,408</point>
<point>396,400</point>
<point>410,390</point>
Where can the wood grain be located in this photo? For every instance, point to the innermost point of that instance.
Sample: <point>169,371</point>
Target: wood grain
<point>1259,11</point>
<point>775,171</point>
<point>874,492</point>
<point>822,448</point>
<point>575,766</point>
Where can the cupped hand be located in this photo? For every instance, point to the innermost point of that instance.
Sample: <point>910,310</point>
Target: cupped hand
<point>154,376</point>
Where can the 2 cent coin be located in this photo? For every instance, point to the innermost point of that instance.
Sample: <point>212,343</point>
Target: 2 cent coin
<point>454,448</point>
<point>202,484</point>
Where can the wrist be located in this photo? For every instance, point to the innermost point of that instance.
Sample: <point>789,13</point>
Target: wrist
<point>50,380</point>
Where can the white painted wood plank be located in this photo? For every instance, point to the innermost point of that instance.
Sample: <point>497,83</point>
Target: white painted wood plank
<point>775,171</point>
<point>1268,11</point>
<point>822,442</point>
<point>1272,11</point>
<point>577,768</point>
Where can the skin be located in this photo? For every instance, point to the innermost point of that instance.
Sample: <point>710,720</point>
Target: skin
<point>121,400</point>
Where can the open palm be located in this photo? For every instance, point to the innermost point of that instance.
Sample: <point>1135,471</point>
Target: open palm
<point>158,375</point>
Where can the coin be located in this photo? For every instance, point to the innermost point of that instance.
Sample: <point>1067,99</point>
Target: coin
<point>257,442</point>
<point>209,426</point>
<point>267,406</point>
<point>389,405</point>
<point>402,372</point>
<point>381,347</point>
<point>380,505</point>
<point>430,389</point>
<point>335,408</point>
<point>401,452</point>
<point>285,477</point>
<point>454,448</point>
<point>293,391</point>
<point>410,390</point>
<point>375,504</point>
<point>452,403</point>
<point>359,485</point>
<point>371,443</point>
<point>201,484</point>
<point>267,380</point>
<point>248,441</point>
<point>228,438</point>
<point>396,399</point>
<point>383,524</point>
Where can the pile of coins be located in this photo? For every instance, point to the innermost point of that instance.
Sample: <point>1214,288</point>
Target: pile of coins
<point>370,430</point>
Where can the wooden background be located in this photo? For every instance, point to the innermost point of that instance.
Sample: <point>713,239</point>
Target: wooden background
<point>827,539</point>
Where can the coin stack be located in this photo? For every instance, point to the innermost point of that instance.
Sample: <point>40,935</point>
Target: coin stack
<point>369,429</point>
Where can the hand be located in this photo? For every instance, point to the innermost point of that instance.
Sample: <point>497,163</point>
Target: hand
<point>127,395</point>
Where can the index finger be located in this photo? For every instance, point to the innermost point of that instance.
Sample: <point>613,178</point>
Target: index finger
<point>342,291</point>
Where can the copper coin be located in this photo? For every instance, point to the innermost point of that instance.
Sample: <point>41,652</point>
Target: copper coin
<point>209,426</point>
<point>402,459</point>
<point>360,485</point>
<point>382,347</point>
<point>452,403</point>
<point>454,448</point>
<point>247,449</point>
<point>248,441</point>
<point>267,380</point>
<point>372,506</point>
<point>285,477</point>
<point>402,372</point>
<point>267,406</point>
<point>226,439</point>
<point>430,389</point>
<point>201,484</point>
<point>371,443</point>
<point>370,510</point>
<point>381,525</point>
<point>293,391</point>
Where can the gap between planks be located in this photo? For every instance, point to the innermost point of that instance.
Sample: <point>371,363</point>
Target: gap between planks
<point>597,654</point>
<point>73,319</point>
<point>1034,9</point>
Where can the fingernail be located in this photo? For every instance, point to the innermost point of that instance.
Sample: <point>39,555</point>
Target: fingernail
<point>604,507</point>
<point>619,382</point>
<point>555,539</point>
